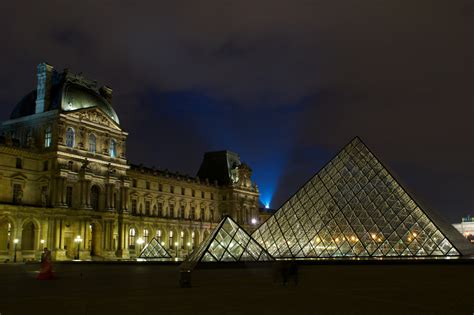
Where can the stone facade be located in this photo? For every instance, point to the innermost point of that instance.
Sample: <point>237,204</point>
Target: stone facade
<point>66,184</point>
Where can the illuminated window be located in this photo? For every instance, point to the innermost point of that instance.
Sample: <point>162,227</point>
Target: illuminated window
<point>145,235</point>
<point>113,148</point>
<point>182,240</point>
<point>48,136</point>
<point>70,135</point>
<point>92,143</point>
<point>131,238</point>
<point>170,240</point>
<point>158,235</point>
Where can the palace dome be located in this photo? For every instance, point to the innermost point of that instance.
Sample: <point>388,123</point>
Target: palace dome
<point>67,96</point>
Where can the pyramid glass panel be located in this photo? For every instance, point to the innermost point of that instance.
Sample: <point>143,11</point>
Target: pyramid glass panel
<point>229,242</point>
<point>353,207</point>
<point>154,250</point>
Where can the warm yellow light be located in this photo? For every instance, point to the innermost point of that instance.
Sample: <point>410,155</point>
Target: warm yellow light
<point>317,239</point>
<point>175,243</point>
<point>42,241</point>
<point>15,241</point>
<point>409,239</point>
<point>379,239</point>
<point>162,243</point>
<point>414,234</point>
<point>189,244</point>
<point>374,236</point>
<point>337,239</point>
<point>353,238</point>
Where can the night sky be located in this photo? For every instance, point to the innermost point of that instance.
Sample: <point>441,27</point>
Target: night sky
<point>283,83</point>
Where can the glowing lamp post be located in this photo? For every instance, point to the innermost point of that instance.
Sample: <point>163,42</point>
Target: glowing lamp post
<point>15,241</point>
<point>140,242</point>
<point>78,241</point>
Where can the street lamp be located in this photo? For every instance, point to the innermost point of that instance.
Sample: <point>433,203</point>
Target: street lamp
<point>140,242</point>
<point>78,241</point>
<point>15,241</point>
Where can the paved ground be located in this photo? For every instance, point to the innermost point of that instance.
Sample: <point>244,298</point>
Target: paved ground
<point>322,289</point>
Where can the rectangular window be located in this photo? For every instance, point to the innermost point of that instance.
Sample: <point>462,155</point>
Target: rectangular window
<point>19,163</point>
<point>17,193</point>
<point>203,195</point>
<point>134,206</point>
<point>147,207</point>
<point>224,197</point>
<point>171,213</point>
<point>160,209</point>
<point>69,196</point>
<point>134,183</point>
<point>172,189</point>
<point>212,196</point>
<point>148,185</point>
<point>193,193</point>
<point>47,137</point>
<point>45,165</point>
<point>182,191</point>
<point>160,187</point>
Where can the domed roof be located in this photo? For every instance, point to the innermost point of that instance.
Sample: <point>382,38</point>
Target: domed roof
<point>67,96</point>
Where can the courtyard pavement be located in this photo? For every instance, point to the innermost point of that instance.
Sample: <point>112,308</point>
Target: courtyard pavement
<point>96,288</point>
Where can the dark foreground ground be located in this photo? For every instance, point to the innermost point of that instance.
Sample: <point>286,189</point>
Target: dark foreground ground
<point>322,289</point>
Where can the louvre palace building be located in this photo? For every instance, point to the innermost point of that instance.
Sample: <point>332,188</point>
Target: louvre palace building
<point>66,183</point>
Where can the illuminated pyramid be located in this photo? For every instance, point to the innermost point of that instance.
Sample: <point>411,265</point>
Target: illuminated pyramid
<point>353,207</point>
<point>154,250</point>
<point>228,242</point>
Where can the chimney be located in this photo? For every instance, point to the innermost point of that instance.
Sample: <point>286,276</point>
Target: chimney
<point>43,90</point>
<point>106,92</point>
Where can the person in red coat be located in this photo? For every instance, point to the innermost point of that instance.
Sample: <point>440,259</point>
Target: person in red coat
<point>46,271</point>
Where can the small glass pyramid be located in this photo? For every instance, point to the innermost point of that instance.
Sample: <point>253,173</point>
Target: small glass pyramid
<point>228,242</point>
<point>352,207</point>
<point>154,250</point>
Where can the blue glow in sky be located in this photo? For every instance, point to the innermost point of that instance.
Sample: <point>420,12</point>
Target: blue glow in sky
<point>221,125</point>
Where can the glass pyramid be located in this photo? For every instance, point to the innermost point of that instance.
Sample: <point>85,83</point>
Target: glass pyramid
<point>154,250</point>
<point>352,207</point>
<point>228,242</point>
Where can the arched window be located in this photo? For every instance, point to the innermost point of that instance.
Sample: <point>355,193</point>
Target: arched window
<point>158,235</point>
<point>48,137</point>
<point>92,143</point>
<point>131,238</point>
<point>70,135</point>
<point>113,148</point>
<point>95,191</point>
<point>28,236</point>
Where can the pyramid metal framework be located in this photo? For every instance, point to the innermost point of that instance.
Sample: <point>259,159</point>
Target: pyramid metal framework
<point>154,250</point>
<point>228,243</point>
<point>353,207</point>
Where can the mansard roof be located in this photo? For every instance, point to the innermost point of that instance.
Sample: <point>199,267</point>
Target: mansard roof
<point>68,92</point>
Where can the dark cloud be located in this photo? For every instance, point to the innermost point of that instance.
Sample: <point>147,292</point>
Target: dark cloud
<point>286,82</point>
